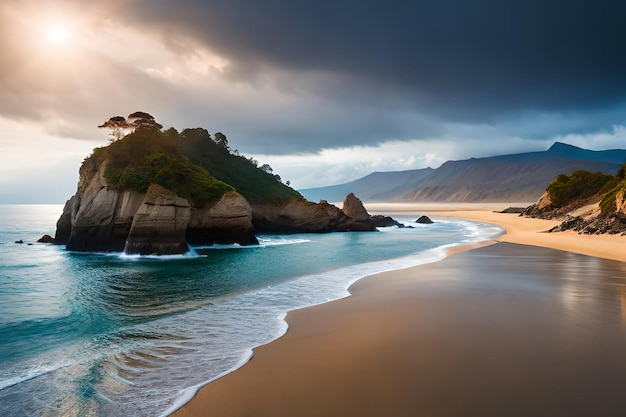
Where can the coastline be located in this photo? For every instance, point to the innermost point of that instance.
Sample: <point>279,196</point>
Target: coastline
<point>327,348</point>
<point>520,230</point>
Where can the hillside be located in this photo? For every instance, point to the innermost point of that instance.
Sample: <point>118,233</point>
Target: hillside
<point>190,163</point>
<point>517,177</point>
<point>586,202</point>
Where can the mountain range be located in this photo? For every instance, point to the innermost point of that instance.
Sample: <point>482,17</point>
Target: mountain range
<point>521,177</point>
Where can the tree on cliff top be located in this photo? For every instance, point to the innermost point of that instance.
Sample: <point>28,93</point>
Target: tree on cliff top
<point>140,119</point>
<point>118,125</point>
<point>121,126</point>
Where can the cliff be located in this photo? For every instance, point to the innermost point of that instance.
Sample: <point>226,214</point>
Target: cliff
<point>589,203</point>
<point>154,192</point>
<point>99,218</point>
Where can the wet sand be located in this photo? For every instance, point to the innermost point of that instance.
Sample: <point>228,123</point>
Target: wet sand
<point>502,330</point>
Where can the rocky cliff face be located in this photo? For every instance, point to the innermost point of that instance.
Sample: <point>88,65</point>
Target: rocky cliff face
<point>584,215</point>
<point>228,221</point>
<point>100,219</point>
<point>97,218</point>
<point>299,216</point>
<point>159,224</point>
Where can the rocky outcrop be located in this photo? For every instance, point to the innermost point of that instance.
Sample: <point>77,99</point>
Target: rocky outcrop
<point>101,218</point>
<point>159,224</point>
<point>300,216</point>
<point>584,216</point>
<point>357,218</point>
<point>228,221</point>
<point>98,218</point>
<point>424,220</point>
<point>296,216</point>
<point>46,239</point>
<point>611,224</point>
<point>379,220</point>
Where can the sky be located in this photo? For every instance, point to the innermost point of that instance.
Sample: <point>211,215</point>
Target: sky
<point>324,91</point>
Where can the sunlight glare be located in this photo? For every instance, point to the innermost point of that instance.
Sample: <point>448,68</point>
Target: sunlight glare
<point>57,34</point>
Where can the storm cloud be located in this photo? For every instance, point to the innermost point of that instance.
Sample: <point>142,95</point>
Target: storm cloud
<point>463,61</point>
<point>312,83</point>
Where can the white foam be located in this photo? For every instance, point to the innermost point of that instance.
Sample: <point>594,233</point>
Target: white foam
<point>323,287</point>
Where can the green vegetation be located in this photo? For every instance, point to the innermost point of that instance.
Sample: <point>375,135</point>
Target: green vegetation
<point>254,183</point>
<point>577,186</point>
<point>190,163</point>
<point>581,185</point>
<point>618,183</point>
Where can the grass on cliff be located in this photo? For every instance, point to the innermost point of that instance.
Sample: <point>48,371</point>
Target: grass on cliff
<point>190,164</point>
<point>608,203</point>
<point>581,185</point>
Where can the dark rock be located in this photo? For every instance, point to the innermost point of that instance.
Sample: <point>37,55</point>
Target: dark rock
<point>514,210</point>
<point>46,239</point>
<point>610,224</point>
<point>385,221</point>
<point>64,224</point>
<point>424,220</point>
<point>357,219</point>
<point>301,216</point>
<point>19,241</point>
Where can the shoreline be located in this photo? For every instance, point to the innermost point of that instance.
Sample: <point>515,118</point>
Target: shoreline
<point>520,231</point>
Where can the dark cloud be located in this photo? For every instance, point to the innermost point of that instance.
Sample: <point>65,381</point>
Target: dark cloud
<point>457,60</point>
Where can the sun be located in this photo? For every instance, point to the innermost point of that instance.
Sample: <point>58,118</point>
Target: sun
<point>57,34</point>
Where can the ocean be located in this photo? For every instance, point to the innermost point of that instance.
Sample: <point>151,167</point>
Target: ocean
<point>95,334</point>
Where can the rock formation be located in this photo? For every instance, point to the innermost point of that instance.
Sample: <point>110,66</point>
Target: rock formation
<point>584,215</point>
<point>424,220</point>
<point>357,218</point>
<point>300,216</point>
<point>98,218</point>
<point>46,239</point>
<point>228,221</point>
<point>159,224</point>
<point>155,192</point>
<point>379,220</point>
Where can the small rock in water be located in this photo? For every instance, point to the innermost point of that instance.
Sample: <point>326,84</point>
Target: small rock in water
<point>424,220</point>
<point>19,241</point>
<point>46,239</point>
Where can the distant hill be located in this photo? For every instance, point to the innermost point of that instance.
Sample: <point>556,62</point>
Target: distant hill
<point>517,177</point>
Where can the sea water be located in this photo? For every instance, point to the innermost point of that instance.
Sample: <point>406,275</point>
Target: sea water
<point>104,334</point>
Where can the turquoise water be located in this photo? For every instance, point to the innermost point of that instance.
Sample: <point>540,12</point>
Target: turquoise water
<point>114,335</point>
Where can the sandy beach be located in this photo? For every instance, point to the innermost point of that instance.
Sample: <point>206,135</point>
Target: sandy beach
<point>528,326</point>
